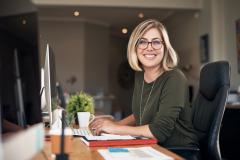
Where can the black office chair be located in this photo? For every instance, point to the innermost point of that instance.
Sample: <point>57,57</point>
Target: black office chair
<point>208,110</point>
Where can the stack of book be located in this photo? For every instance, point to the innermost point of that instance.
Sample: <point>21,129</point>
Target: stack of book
<point>115,140</point>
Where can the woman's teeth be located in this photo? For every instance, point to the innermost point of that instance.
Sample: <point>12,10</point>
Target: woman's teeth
<point>149,55</point>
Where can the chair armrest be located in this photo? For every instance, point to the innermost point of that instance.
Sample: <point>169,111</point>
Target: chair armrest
<point>192,153</point>
<point>196,149</point>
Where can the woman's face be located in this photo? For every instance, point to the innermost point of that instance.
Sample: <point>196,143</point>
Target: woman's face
<point>150,54</point>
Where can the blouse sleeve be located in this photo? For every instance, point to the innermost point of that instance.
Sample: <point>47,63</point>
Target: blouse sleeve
<point>172,100</point>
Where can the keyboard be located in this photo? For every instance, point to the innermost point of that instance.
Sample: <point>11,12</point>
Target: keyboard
<point>82,132</point>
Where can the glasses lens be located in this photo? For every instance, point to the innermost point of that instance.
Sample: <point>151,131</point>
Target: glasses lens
<point>156,44</point>
<point>142,44</point>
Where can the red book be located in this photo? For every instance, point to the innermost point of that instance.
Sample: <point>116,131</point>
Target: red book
<point>118,142</point>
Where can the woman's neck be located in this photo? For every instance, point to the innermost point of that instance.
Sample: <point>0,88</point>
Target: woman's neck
<point>151,74</point>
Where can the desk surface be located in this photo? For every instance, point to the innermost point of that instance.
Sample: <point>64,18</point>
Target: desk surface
<point>233,106</point>
<point>81,151</point>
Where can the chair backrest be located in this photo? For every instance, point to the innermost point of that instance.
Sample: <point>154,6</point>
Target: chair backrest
<point>209,106</point>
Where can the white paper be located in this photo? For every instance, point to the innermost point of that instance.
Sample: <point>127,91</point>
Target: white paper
<point>140,153</point>
<point>110,137</point>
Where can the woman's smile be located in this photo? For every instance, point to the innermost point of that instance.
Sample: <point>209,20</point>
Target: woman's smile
<point>149,56</point>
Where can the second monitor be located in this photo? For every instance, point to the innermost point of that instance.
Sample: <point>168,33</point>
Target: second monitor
<point>50,90</point>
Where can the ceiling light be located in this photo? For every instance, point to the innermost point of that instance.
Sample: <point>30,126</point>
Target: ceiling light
<point>76,13</point>
<point>140,15</point>
<point>124,30</point>
<point>196,15</point>
<point>24,21</point>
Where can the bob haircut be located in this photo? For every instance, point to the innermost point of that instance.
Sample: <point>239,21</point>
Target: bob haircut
<point>170,58</point>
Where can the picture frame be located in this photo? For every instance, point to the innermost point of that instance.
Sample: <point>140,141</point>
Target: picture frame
<point>204,48</point>
<point>238,43</point>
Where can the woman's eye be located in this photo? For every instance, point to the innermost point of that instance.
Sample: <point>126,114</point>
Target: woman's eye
<point>142,42</point>
<point>156,42</point>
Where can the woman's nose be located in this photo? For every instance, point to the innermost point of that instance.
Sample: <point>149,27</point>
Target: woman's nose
<point>149,47</point>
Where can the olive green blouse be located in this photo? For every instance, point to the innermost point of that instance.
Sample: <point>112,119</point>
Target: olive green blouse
<point>166,109</point>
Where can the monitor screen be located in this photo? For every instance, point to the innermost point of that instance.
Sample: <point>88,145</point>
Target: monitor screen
<point>50,82</point>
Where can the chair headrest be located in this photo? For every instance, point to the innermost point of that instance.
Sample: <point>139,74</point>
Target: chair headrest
<point>212,77</point>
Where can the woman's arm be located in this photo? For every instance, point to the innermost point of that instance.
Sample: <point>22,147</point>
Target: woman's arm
<point>173,100</point>
<point>134,131</point>
<point>130,120</point>
<point>108,126</point>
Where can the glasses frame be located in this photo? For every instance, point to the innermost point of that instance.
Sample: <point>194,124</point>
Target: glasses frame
<point>137,44</point>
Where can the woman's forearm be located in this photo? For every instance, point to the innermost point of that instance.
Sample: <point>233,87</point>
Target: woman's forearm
<point>130,121</point>
<point>134,131</point>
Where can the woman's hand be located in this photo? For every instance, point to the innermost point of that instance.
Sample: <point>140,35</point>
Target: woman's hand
<point>114,127</point>
<point>104,125</point>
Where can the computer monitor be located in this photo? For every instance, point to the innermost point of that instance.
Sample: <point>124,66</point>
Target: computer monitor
<point>16,39</point>
<point>42,91</point>
<point>50,82</point>
<point>20,80</point>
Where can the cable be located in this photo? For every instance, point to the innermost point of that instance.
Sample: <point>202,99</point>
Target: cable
<point>47,125</point>
<point>44,155</point>
<point>41,91</point>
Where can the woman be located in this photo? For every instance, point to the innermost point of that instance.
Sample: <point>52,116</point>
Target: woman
<point>160,99</point>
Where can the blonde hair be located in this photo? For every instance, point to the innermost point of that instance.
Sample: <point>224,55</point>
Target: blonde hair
<point>170,58</point>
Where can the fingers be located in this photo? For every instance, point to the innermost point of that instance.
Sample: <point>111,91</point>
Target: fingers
<point>95,123</point>
<point>98,130</point>
<point>100,125</point>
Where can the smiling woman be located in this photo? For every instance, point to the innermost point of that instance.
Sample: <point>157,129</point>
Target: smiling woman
<point>160,102</point>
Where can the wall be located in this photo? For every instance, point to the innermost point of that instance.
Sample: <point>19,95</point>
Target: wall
<point>205,24</point>
<point>118,54</point>
<point>218,25</point>
<point>183,29</point>
<point>96,58</point>
<point>81,51</point>
<point>67,41</point>
<point>217,19</point>
<point>232,13</point>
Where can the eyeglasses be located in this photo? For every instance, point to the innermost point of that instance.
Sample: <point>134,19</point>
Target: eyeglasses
<point>156,44</point>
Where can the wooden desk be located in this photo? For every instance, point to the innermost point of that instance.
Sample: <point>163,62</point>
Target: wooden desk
<point>81,151</point>
<point>233,106</point>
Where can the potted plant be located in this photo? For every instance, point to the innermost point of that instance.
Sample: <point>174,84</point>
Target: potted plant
<point>79,102</point>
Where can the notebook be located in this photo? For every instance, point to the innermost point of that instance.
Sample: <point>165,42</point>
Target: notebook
<point>116,140</point>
